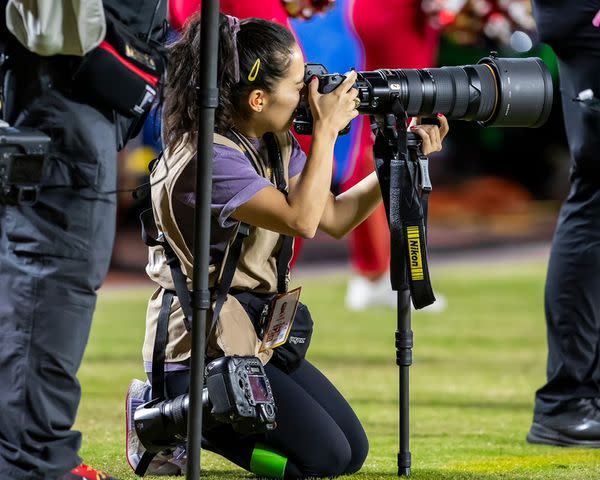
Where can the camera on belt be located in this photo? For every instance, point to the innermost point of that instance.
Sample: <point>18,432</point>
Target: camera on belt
<point>237,392</point>
<point>23,153</point>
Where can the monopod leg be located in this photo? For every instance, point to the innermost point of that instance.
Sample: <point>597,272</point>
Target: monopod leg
<point>404,344</point>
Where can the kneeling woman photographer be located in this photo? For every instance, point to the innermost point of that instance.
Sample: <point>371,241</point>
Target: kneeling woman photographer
<point>261,80</point>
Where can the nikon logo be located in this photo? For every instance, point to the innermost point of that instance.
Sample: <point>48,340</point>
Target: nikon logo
<point>414,250</point>
<point>296,340</point>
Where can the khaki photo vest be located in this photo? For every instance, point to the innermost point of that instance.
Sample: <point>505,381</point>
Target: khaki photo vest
<point>256,269</point>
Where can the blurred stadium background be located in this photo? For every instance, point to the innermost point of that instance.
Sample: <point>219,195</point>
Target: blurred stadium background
<point>491,185</point>
<point>492,213</point>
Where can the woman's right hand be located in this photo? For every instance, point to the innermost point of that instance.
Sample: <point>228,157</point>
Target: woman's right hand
<point>333,111</point>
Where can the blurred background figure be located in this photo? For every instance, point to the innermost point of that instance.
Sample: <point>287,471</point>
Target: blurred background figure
<point>505,22</point>
<point>393,34</point>
<point>412,35</point>
<point>567,407</point>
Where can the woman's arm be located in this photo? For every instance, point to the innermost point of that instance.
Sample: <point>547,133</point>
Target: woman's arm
<point>344,212</point>
<point>300,213</point>
<point>297,214</point>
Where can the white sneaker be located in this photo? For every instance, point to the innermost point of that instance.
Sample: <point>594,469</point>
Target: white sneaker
<point>363,293</point>
<point>438,306</point>
<point>167,462</point>
<point>179,458</point>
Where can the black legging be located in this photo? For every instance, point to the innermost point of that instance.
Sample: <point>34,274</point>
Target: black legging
<point>317,430</point>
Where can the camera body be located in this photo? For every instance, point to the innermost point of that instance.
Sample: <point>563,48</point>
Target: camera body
<point>23,153</point>
<point>303,122</point>
<point>237,392</point>
<point>240,393</point>
<point>504,92</point>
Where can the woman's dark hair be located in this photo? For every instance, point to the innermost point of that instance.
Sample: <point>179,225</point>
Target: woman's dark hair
<point>257,39</point>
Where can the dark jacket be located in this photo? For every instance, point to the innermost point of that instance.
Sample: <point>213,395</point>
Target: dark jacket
<point>137,14</point>
<point>30,73</point>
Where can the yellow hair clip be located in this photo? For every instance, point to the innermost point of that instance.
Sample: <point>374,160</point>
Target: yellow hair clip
<point>254,72</point>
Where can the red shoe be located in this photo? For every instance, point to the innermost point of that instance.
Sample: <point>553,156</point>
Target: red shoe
<point>86,472</point>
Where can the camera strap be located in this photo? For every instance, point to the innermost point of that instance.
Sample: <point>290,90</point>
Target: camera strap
<point>414,231</point>
<point>403,174</point>
<point>234,251</point>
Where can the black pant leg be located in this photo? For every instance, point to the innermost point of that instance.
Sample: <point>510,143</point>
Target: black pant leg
<point>53,257</point>
<point>319,387</point>
<point>306,434</point>
<point>572,295</point>
<point>572,303</point>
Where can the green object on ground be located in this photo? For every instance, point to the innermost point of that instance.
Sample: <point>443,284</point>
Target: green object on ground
<point>266,462</point>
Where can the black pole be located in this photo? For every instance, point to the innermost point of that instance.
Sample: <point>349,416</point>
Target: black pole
<point>208,99</point>
<point>404,181</point>
<point>393,172</point>
<point>404,343</point>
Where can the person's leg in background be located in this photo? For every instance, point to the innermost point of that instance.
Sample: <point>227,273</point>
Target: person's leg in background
<point>394,34</point>
<point>53,257</point>
<point>567,407</point>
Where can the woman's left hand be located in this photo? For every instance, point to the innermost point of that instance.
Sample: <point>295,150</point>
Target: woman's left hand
<point>432,135</point>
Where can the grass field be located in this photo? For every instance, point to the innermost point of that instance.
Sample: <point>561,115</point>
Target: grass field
<point>475,371</point>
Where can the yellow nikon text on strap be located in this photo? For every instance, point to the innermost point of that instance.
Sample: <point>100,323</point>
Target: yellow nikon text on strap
<point>414,249</point>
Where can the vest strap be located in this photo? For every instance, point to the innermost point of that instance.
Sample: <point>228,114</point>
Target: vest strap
<point>229,267</point>
<point>142,467</point>
<point>148,222</point>
<point>160,346</point>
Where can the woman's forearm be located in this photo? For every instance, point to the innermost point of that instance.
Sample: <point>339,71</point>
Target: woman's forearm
<point>310,195</point>
<point>344,212</point>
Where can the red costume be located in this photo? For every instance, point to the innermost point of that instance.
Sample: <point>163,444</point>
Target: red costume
<point>180,10</point>
<point>394,34</point>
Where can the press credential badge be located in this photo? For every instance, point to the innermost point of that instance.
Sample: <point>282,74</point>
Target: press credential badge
<point>283,311</point>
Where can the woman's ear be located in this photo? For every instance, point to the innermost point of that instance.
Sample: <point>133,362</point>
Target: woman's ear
<point>257,100</point>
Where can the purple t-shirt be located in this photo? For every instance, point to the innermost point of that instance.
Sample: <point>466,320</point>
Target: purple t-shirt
<point>234,182</point>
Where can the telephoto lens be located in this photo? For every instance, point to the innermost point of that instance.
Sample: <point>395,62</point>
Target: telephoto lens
<point>502,92</point>
<point>162,424</point>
